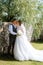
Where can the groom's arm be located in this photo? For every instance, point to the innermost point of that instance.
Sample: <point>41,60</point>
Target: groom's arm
<point>11,30</point>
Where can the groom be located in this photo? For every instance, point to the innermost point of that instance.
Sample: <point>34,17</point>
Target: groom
<point>12,35</point>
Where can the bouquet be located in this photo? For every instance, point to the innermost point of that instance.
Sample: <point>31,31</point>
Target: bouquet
<point>20,32</point>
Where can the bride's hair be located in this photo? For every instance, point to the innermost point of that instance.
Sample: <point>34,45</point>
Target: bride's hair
<point>20,22</point>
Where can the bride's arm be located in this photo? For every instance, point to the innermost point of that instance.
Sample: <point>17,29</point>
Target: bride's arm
<point>23,29</point>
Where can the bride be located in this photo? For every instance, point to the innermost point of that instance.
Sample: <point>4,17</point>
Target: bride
<point>23,50</point>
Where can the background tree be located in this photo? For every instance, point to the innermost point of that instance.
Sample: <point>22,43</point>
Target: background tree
<point>29,11</point>
<point>38,28</point>
<point>23,9</point>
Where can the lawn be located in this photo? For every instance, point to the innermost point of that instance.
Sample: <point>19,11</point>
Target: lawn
<point>8,60</point>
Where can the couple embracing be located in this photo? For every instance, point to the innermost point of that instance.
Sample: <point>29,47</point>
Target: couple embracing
<point>21,47</point>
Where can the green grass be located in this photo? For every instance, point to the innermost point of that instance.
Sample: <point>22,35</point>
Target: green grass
<point>8,60</point>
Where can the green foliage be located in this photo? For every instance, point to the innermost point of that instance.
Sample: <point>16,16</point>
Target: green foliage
<point>23,9</point>
<point>38,27</point>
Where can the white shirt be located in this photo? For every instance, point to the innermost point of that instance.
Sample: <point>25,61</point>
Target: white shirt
<point>11,30</point>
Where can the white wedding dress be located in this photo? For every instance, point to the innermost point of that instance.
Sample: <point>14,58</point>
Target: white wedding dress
<point>23,50</point>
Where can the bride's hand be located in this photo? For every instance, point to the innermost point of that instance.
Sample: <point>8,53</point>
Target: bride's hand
<point>19,32</point>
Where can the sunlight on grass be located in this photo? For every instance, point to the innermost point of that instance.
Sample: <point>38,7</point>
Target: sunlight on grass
<point>38,45</point>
